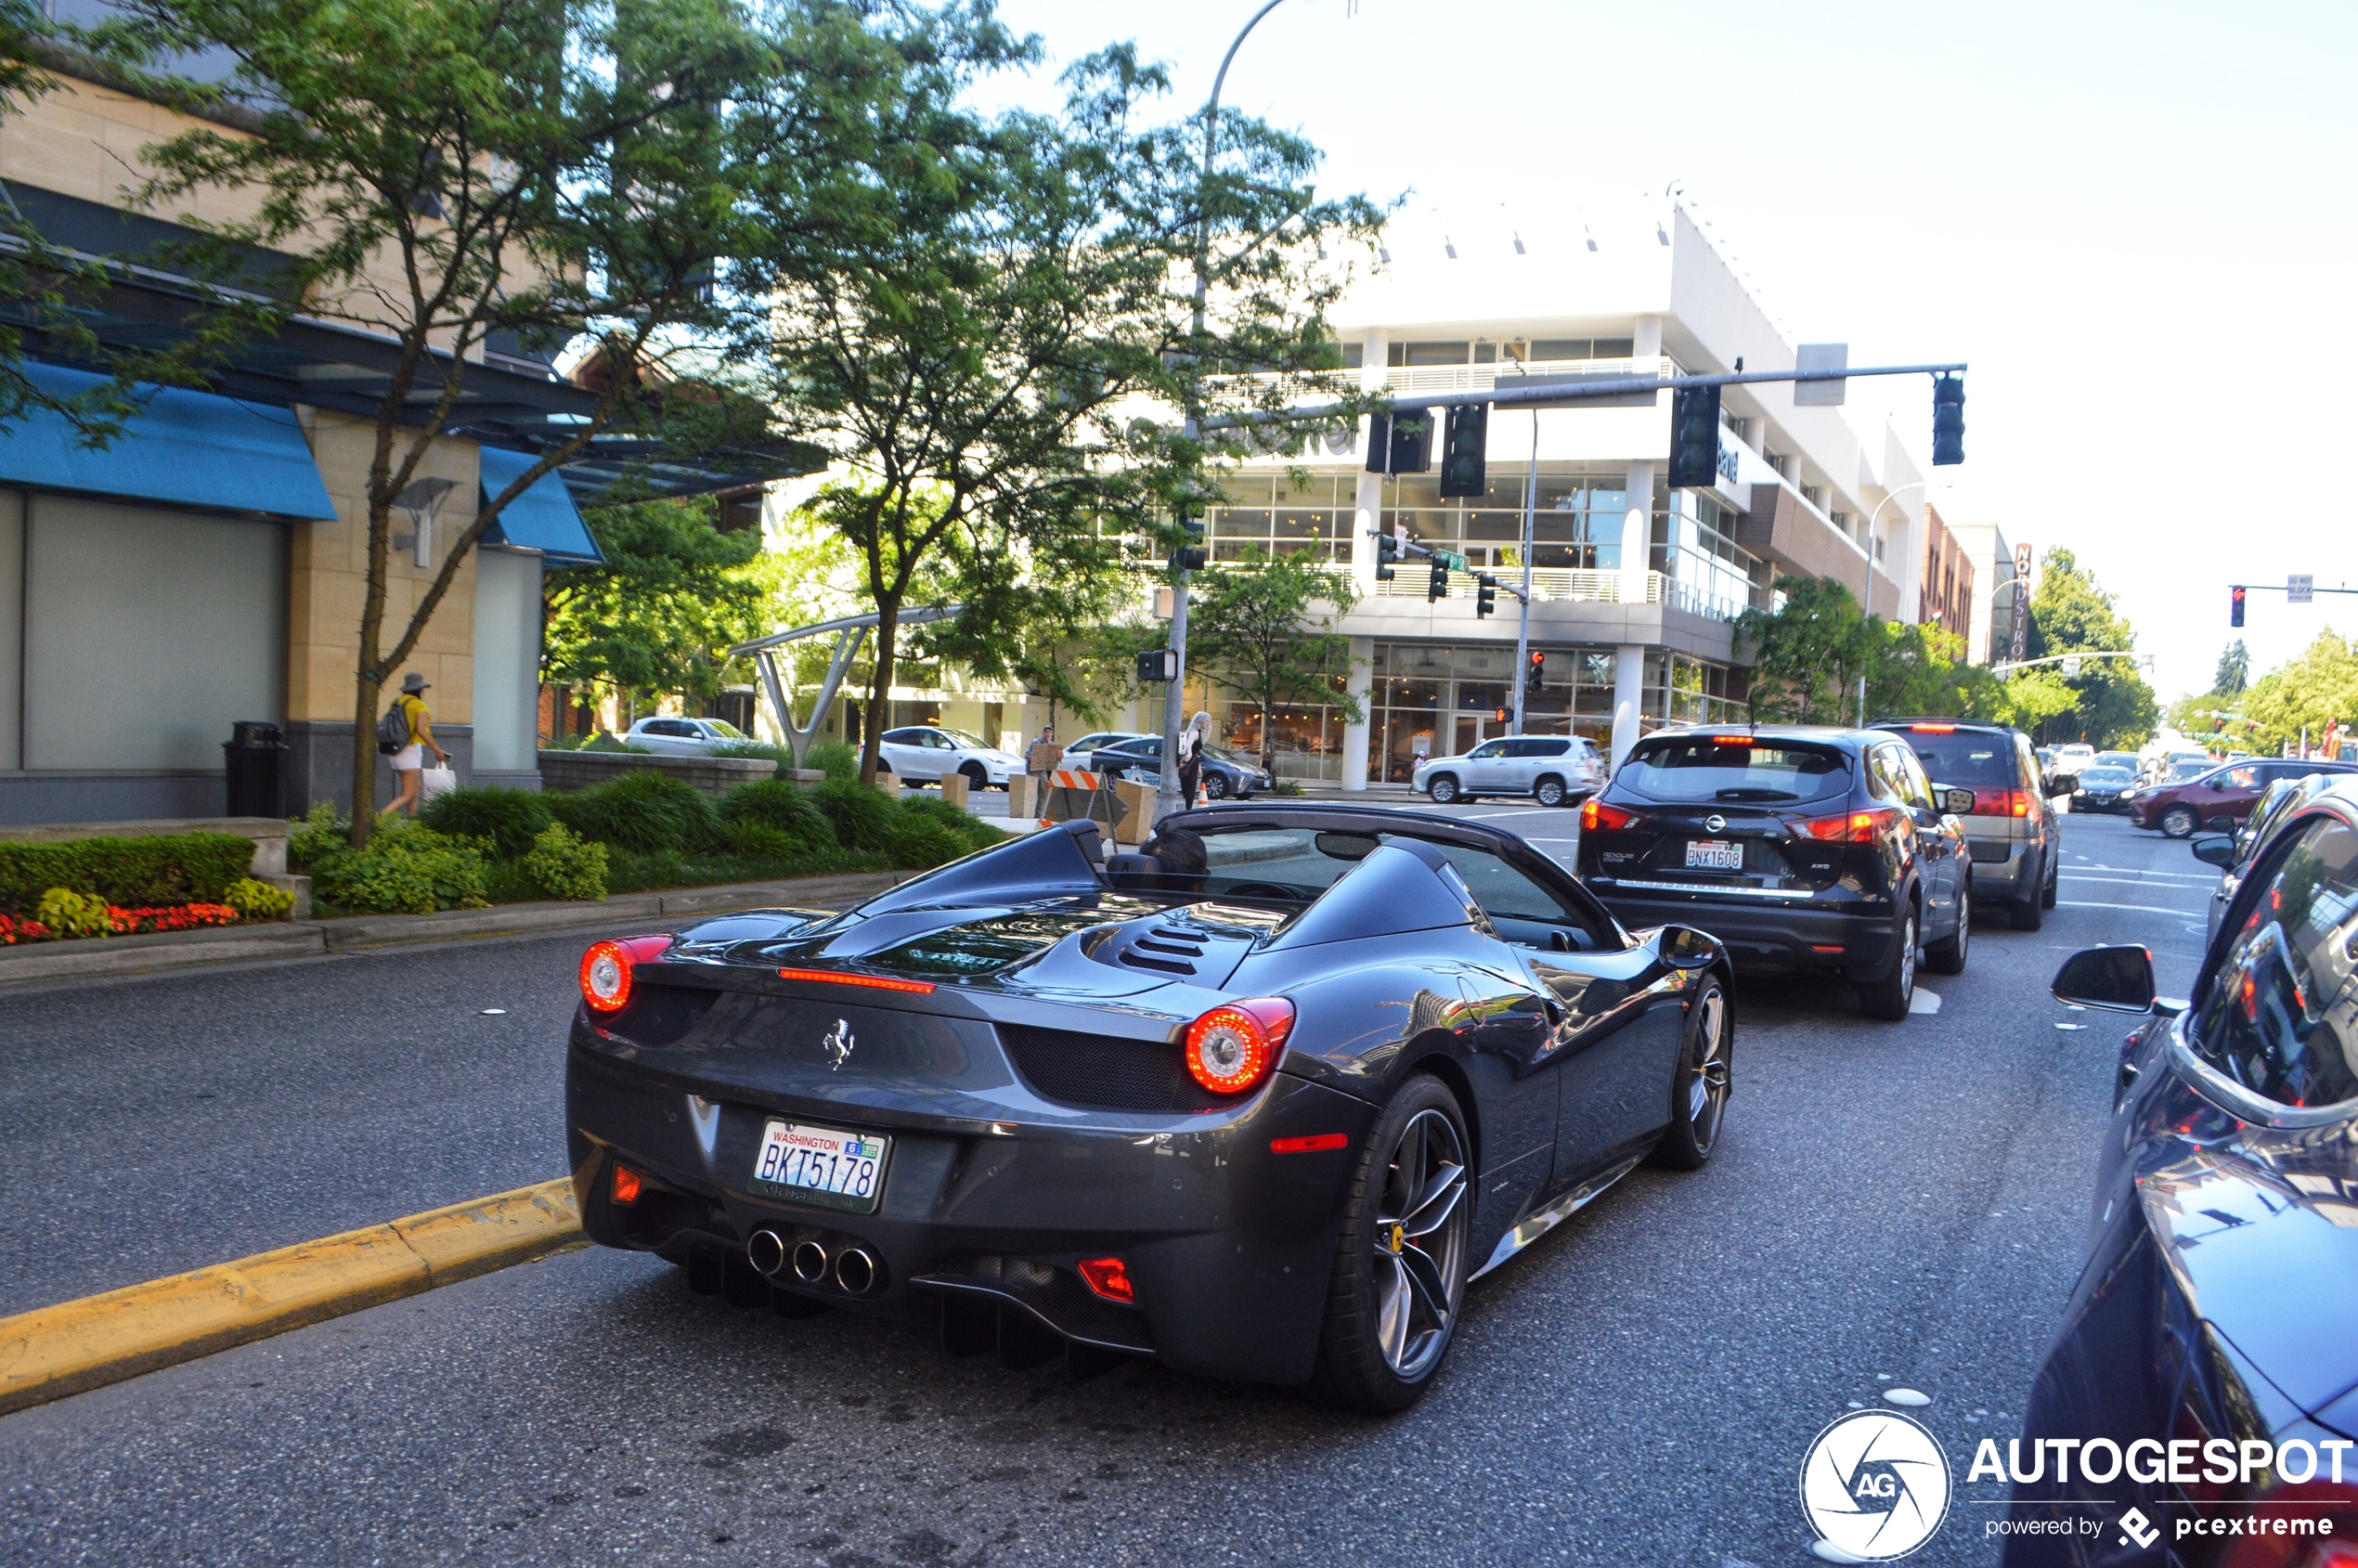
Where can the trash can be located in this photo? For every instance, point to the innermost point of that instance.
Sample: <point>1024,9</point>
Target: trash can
<point>255,755</point>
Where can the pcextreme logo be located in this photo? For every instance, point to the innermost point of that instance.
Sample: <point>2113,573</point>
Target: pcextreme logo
<point>1875,1485</point>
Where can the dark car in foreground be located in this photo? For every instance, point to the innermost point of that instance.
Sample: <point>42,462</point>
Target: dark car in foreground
<point>1990,776</point>
<point>1261,1116</point>
<point>1800,848</point>
<point>2224,796</point>
<point>2207,1369</point>
<point>2103,790</point>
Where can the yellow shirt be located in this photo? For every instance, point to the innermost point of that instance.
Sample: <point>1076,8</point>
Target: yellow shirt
<point>413,708</point>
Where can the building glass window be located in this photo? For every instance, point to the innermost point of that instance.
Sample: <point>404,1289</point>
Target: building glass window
<point>1284,516</point>
<point>1576,520</point>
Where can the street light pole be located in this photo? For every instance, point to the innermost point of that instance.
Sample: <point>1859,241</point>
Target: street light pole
<point>1867,593</point>
<point>1523,627</point>
<point>1174,694</point>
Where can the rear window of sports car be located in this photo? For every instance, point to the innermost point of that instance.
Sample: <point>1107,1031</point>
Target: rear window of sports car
<point>1699,768</point>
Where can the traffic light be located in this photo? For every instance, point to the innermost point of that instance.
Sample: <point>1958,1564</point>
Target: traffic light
<point>1387,551</point>
<point>1437,586</point>
<point>1485,595</point>
<point>1947,420</point>
<point>1498,716</point>
<point>1464,472</point>
<point>1533,672</point>
<point>1402,443</point>
<point>2235,606</point>
<point>1694,437</point>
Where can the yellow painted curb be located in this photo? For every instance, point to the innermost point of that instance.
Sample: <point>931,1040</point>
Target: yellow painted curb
<point>55,1351</point>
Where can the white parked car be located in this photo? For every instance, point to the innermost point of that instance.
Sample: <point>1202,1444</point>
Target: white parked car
<point>1552,769</point>
<point>1077,754</point>
<point>685,737</point>
<point>925,753</point>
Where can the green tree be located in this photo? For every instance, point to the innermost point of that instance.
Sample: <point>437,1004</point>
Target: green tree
<point>984,355</point>
<point>2308,691</point>
<point>1807,656</point>
<point>1263,629</point>
<point>445,171</point>
<point>673,596</point>
<point>2070,613</point>
<point>2234,670</point>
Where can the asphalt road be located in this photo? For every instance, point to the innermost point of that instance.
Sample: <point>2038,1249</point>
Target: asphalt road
<point>1893,1205</point>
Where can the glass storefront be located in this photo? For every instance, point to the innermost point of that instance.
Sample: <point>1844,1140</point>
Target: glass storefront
<point>1284,516</point>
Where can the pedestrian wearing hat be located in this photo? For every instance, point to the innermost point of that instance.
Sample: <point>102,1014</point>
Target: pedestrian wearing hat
<point>408,763</point>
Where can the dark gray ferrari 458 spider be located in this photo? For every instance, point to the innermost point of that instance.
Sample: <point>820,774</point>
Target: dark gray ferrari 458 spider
<point>1261,1113</point>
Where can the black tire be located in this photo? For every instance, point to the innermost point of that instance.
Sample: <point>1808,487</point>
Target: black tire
<point>1549,792</point>
<point>1887,998</point>
<point>1215,787</point>
<point>1947,956</point>
<point>1700,1087</point>
<point>2178,822</point>
<point>2029,914</point>
<point>978,776</point>
<point>1442,787</point>
<point>1393,1301</point>
<point>2054,880</point>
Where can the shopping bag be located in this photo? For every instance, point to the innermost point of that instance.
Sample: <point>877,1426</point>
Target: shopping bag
<point>436,780</point>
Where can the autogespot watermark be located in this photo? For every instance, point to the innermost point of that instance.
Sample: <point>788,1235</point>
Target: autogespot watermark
<point>1875,1484</point>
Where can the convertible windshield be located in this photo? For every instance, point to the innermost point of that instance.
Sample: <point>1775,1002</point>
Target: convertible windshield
<point>1734,768</point>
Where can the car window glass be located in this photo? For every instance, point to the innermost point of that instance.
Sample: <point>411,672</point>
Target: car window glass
<point>1881,781</point>
<point>1488,749</point>
<point>901,737</point>
<point>1914,787</point>
<point>1735,768</point>
<point>1963,758</point>
<point>1500,889</point>
<point>2238,778</point>
<point>725,730</point>
<point>2279,1013</point>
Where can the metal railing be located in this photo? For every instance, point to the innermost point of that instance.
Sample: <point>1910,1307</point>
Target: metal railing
<point>1571,585</point>
<point>1481,378</point>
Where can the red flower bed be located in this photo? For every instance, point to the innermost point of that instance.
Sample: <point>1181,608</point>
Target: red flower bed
<point>13,929</point>
<point>171,917</point>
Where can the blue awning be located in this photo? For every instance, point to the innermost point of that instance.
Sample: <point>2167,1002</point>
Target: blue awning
<point>183,449</point>
<point>543,518</point>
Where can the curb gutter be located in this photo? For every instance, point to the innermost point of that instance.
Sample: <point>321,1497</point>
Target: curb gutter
<point>176,949</point>
<point>55,1351</point>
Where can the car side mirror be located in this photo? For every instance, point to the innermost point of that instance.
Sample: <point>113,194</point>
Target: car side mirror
<point>2115,979</point>
<point>1958,801</point>
<point>2214,848</point>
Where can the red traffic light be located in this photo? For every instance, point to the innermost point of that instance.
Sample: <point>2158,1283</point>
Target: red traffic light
<point>2235,606</point>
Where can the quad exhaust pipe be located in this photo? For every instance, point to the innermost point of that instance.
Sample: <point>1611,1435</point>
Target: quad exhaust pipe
<point>852,1267</point>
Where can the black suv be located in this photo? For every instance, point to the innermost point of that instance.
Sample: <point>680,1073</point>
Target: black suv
<point>1988,775</point>
<point>1798,847</point>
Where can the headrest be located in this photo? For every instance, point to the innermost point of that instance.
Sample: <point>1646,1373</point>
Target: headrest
<point>1133,870</point>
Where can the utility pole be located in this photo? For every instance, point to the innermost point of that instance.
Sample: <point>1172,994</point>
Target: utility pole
<point>1174,694</point>
<point>1523,627</point>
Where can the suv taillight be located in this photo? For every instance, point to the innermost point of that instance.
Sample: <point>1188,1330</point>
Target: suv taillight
<point>1849,827</point>
<point>1595,813</point>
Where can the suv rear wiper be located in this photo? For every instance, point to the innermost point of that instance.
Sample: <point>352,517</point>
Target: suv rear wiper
<point>1754,792</point>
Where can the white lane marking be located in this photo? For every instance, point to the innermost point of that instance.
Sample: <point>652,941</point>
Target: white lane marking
<point>2156,884</point>
<point>1923,1002</point>
<point>2182,875</point>
<point>2142,909</point>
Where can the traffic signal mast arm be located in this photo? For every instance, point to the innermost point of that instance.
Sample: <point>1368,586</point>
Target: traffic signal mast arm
<point>2009,666</point>
<point>1506,395</point>
<point>1448,558</point>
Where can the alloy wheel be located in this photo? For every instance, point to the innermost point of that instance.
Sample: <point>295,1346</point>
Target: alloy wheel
<point>1420,1245</point>
<point>1551,792</point>
<point>1908,958</point>
<point>1707,1087</point>
<point>1215,787</point>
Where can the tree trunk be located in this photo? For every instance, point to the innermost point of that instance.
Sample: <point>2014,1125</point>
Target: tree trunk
<point>872,727</point>
<point>364,759</point>
<point>368,679</point>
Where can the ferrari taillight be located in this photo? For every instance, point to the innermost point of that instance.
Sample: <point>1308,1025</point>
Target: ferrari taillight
<point>1232,1048</point>
<point>1595,813</point>
<point>1849,827</point>
<point>606,968</point>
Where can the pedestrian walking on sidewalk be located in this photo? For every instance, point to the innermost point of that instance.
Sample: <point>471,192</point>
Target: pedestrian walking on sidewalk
<point>1041,759</point>
<point>408,763</point>
<point>1191,744</point>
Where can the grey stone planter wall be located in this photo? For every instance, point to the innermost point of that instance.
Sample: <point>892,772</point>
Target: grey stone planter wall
<point>568,772</point>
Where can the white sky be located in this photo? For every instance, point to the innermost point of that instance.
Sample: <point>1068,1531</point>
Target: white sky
<point>2134,221</point>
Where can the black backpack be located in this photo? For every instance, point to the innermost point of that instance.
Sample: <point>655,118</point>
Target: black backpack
<point>393,729</point>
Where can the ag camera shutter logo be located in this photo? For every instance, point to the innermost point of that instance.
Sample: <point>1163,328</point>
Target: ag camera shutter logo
<point>1875,1485</point>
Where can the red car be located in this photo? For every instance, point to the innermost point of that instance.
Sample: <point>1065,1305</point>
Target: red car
<point>2182,809</point>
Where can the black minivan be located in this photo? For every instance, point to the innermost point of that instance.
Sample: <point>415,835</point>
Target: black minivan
<point>1799,847</point>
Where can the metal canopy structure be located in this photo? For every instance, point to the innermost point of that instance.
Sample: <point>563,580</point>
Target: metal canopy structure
<point>850,631</point>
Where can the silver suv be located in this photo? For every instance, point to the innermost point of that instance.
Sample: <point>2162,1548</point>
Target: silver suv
<point>1988,775</point>
<point>1552,769</point>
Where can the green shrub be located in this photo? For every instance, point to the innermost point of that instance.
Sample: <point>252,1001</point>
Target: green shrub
<point>762,749</point>
<point>760,841</point>
<point>315,836</point>
<point>563,867</point>
<point>645,810</point>
<point>512,819</point>
<point>780,807</point>
<point>69,913</point>
<point>862,818</point>
<point>136,872</point>
<point>406,868</point>
<point>601,741</point>
<point>835,760</point>
<point>969,831</point>
<point>258,900</point>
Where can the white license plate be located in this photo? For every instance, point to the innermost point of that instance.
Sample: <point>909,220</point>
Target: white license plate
<point>820,1165</point>
<point>1715,854</point>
